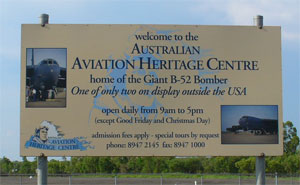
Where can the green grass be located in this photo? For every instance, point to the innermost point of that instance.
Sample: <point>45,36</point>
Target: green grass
<point>179,176</point>
<point>169,175</point>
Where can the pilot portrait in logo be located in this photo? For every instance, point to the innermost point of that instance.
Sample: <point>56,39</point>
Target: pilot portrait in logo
<point>41,135</point>
<point>46,70</point>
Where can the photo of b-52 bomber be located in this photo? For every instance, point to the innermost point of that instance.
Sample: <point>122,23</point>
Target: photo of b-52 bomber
<point>249,124</point>
<point>255,125</point>
<point>46,77</point>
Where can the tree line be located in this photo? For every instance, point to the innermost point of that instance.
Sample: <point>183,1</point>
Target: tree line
<point>289,163</point>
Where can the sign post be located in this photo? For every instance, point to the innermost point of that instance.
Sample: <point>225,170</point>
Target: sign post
<point>42,162</point>
<point>260,160</point>
<point>260,170</point>
<point>42,170</point>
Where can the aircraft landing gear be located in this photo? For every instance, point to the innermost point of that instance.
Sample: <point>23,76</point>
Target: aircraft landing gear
<point>44,95</point>
<point>51,94</point>
<point>258,132</point>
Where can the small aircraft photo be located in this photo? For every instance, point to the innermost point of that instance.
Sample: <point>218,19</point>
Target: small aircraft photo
<point>46,77</point>
<point>249,124</point>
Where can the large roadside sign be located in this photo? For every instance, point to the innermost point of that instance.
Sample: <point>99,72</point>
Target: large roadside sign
<point>151,90</point>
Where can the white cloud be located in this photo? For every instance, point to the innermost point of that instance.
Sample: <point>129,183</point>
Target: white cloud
<point>291,36</point>
<point>275,12</point>
<point>11,53</point>
<point>10,133</point>
<point>242,12</point>
<point>285,13</point>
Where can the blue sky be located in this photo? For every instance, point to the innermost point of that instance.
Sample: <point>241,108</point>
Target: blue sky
<point>59,55</point>
<point>13,13</point>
